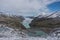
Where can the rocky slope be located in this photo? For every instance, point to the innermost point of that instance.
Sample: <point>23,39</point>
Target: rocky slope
<point>12,21</point>
<point>46,24</point>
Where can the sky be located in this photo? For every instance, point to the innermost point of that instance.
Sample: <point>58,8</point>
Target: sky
<point>54,6</point>
<point>29,7</point>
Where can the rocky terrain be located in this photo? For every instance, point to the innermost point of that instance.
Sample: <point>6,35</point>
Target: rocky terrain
<point>11,27</point>
<point>46,24</point>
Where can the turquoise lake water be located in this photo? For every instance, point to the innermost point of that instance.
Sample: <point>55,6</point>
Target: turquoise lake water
<point>26,23</point>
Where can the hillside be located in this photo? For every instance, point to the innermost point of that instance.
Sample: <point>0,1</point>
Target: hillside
<point>12,21</point>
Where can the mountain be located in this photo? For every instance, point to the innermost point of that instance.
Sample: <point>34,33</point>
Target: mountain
<point>47,23</point>
<point>12,21</point>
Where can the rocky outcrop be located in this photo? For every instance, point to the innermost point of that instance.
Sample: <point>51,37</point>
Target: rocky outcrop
<point>45,24</point>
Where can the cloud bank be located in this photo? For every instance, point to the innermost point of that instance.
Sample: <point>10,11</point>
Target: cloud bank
<point>25,7</point>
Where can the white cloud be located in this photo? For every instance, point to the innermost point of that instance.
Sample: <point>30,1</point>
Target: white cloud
<point>25,6</point>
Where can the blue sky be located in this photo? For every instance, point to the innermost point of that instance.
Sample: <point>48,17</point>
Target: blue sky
<point>54,6</point>
<point>29,7</point>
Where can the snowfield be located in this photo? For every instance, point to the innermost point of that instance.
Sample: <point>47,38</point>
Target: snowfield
<point>7,33</point>
<point>23,38</point>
